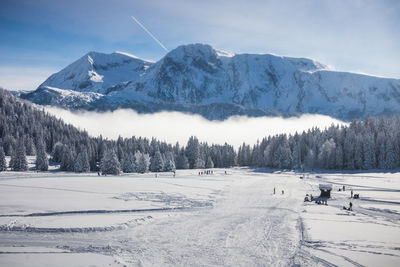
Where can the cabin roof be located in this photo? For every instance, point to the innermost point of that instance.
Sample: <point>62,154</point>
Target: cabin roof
<point>325,186</point>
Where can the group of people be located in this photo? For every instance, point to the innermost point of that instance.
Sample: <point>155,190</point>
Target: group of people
<point>207,172</point>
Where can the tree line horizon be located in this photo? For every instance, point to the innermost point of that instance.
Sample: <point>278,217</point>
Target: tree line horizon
<point>373,143</point>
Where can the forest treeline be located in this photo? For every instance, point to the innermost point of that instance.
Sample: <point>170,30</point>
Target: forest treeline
<point>28,130</point>
<point>370,144</point>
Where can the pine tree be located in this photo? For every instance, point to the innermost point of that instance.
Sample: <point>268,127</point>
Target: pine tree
<point>157,162</point>
<point>42,162</point>
<point>193,152</point>
<point>143,163</point>
<point>169,165</point>
<point>3,163</point>
<point>67,160</point>
<point>199,164</point>
<point>339,157</point>
<point>57,152</point>
<point>369,158</point>
<point>18,159</point>
<point>209,163</point>
<point>30,147</point>
<point>109,163</point>
<point>348,151</point>
<point>309,161</point>
<point>390,157</point>
<point>358,153</point>
<point>128,163</point>
<point>326,157</point>
<point>182,162</point>
<point>81,163</point>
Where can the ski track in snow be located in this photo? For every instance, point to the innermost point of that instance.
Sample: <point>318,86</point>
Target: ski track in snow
<point>239,223</point>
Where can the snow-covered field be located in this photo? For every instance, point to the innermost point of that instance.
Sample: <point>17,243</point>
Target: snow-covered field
<point>232,219</point>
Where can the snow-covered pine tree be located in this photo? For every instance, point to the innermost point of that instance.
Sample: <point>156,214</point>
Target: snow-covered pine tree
<point>349,149</point>
<point>42,162</point>
<point>169,165</point>
<point>309,160</point>
<point>209,163</point>
<point>228,156</point>
<point>193,152</point>
<point>358,152</point>
<point>143,163</point>
<point>18,159</point>
<point>326,156</point>
<point>92,154</point>
<point>199,164</point>
<point>244,155</point>
<point>109,163</point>
<point>296,156</point>
<point>3,163</point>
<point>128,163</point>
<point>9,143</point>
<point>30,147</point>
<point>81,163</point>
<point>390,157</point>
<point>339,157</point>
<point>57,152</point>
<point>182,161</point>
<point>157,162</point>
<point>286,156</point>
<point>369,158</point>
<point>67,159</point>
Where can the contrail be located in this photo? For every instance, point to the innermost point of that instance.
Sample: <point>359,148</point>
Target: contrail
<point>151,35</point>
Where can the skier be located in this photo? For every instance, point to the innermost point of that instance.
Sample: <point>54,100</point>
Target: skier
<point>351,193</point>
<point>283,192</point>
<point>344,188</point>
<point>351,206</point>
<point>274,190</point>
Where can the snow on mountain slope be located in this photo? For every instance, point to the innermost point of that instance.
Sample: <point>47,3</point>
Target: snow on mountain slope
<point>47,95</point>
<point>97,72</point>
<point>196,74</point>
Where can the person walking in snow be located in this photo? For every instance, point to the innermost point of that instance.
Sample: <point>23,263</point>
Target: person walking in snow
<point>351,206</point>
<point>351,193</point>
<point>274,190</point>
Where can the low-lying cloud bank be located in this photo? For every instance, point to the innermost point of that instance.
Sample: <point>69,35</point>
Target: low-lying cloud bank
<point>178,127</point>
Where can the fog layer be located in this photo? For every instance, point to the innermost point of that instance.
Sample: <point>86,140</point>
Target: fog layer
<point>178,127</point>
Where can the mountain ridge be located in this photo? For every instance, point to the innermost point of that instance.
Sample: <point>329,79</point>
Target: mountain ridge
<point>197,74</point>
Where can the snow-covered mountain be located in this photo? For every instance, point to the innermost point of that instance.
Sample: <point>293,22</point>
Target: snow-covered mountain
<point>197,78</point>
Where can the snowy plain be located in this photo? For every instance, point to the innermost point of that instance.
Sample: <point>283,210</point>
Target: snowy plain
<point>222,219</point>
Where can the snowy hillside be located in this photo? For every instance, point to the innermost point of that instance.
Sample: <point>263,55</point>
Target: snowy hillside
<point>198,75</point>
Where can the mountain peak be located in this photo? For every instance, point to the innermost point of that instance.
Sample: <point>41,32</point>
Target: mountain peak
<point>192,50</point>
<point>96,72</point>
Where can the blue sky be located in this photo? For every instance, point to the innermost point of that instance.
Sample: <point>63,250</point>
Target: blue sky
<point>39,37</point>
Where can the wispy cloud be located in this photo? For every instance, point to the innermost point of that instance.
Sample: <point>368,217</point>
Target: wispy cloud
<point>175,126</point>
